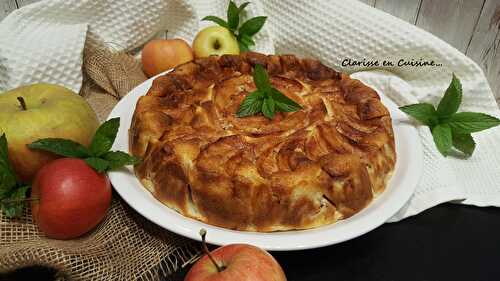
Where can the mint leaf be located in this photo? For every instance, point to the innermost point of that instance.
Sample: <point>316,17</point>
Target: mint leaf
<point>442,138</point>
<point>11,195</point>
<point>260,78</point>
<point>251,105</point>
<point>63,147</point>
<point>423,112</point>
<point>104,137</point>
<point>118,159</point>
<point>471,122</point>
<point>284,103</point>
<point>283,107</point>
<point>8,177</point>
<point>252,26</point>
<point>242,7</point>
<point>217,20</point>
<point>464,143</point>
<point>451,100</point>
<point>268,108</point>
<point>13,205</point>
<point>233,16</point>
<point>98,164</point>
<point>246,40</point>
<point>243,47</point>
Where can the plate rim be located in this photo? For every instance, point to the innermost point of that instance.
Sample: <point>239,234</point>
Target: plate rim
<point>263,240</point>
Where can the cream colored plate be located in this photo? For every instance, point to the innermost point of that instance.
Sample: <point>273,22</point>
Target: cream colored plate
<point>400,188</point>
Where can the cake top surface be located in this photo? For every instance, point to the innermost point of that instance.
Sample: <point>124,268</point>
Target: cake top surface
<point>297,170</point>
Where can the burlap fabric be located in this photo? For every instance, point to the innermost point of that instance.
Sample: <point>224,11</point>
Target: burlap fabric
<point>125,246</point>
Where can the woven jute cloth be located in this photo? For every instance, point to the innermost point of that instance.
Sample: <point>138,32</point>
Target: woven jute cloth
<point>125,246</point>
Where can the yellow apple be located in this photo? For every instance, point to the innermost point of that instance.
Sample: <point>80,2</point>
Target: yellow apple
<point>49,111</point>
<point>215,40</point>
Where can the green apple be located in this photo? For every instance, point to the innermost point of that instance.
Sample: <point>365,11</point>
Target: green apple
<point>215,40</point>
<point>38,111</point>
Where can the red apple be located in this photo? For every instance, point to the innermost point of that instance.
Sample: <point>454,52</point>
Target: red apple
<point>72,198</point>
<point>241,262</point>
<point>162,54</point>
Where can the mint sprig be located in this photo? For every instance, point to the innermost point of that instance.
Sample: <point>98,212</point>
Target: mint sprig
<point>13,204</point>
<point>12,192</point>
<point>265,99</point>
<point>97,155</point>
<point>451,128</point>
<point>244,33</point>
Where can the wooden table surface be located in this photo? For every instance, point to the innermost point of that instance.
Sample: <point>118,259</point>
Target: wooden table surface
<point>471,26</point>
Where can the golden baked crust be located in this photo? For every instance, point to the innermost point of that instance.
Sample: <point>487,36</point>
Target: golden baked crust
<point>299,170</point>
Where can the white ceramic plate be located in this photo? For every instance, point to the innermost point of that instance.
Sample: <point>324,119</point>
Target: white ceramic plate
<point>400,188</point>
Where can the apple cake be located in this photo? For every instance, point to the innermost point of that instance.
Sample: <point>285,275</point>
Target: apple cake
<point>299,170</point>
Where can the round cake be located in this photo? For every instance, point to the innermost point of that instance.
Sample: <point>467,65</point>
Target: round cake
<point>299,170</point>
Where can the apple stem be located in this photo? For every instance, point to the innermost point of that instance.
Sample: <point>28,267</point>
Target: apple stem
<point>203,233</point>
<point>22,102</point>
